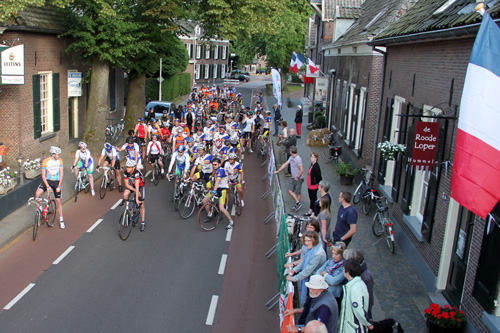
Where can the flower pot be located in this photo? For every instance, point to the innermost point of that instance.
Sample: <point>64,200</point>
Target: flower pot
<point>435,328</point>
<point>346,180</point>
<point>5,189</point>
<point>32,174</point>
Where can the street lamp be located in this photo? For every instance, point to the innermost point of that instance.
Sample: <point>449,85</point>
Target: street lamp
<point>232,66</point>
<point>20,160</point>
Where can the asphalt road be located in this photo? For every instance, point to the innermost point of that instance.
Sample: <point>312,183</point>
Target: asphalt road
<point>173,277</point>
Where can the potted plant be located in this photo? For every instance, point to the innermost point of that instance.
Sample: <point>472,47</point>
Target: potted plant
<point>346,171</point>
<point>390,150</point>
<point>32,168</point>
<point>445,319</point>
<point>7,180</point>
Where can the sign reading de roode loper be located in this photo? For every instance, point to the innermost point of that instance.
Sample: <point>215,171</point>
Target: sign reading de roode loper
<point>425,145</point>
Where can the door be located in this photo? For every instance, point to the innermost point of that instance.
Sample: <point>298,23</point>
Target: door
<point>458,265</point>
<point>73,118</point>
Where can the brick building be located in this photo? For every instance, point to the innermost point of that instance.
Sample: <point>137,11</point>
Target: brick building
<point>39,114</point>
<point>427,53</point>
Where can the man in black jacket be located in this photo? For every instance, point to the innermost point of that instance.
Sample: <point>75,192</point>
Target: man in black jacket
<point>277,119</point>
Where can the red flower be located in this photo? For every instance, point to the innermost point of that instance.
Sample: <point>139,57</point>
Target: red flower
<point>446,315</point>
<point>452,314</point>
<point>461,312</point>
<point>439,316</point>
<point>428,311</point>
<point>458,319</point>
<point>447,306</point>
<point>435,312</point>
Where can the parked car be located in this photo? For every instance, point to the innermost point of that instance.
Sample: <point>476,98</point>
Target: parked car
<point>159,107</point>
<point>241,77</point>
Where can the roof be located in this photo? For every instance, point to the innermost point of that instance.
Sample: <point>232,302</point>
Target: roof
<point>44,19</point>
<point>338,9</point>
<point>376,16</point>
<point>435,15</point>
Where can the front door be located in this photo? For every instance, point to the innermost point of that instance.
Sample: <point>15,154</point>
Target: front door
<point>458,265</point>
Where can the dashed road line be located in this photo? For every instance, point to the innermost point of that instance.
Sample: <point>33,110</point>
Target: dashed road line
<point>229,234</point>
<point>94,225</point>
<point>116,204</point>
<point>147,174</point>
<point>19,296</point>
<point>222,266</point>
<point>211,310</point>
<point>65,253</point>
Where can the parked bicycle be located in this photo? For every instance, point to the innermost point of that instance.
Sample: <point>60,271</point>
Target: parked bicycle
<point>264,148</point>
<point>295,237</point>
<point>381,224</point>
<point>332,151</point>
<point>113,132</point>
<point>82,182</point>
<point>191,199</point>
<point>45,212</point>
<point>365,191</point>
<point>129,217</point>
<point>209,214</point>
<point>107,181</point>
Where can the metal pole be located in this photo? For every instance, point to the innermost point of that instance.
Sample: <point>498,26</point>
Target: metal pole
<point>160,79</point>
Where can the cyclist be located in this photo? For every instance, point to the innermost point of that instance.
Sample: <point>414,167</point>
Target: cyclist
<point>191,148</point>
<point>133,152</point>
<point>209,133</point>
<point>84,159</point>
<point>235,172</point>
<point>52,176</point>
<point>164,120</point>
<point>134,182</point>
<point>198,136</point>
<point>248,129</point>
<point>141,132</point>
<point>111,156</point>
<point>267,123</point>
<point>221,188</point>
<point>153,129</point>
<point>181,160</point>
<point>154,152</point>
<point>202,168</point>
<point>179,138</point>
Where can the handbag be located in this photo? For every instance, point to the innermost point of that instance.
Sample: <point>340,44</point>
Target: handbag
<point>278,143</point>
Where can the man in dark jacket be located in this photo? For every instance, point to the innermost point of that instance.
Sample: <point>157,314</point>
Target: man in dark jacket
<point>298,120</point>
<point>277,119</point>
<point>291,140</point>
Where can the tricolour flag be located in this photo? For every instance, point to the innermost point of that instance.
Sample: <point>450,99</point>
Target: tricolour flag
<point>312,67</point>
<point>293,62</point>
<point>475,182</point>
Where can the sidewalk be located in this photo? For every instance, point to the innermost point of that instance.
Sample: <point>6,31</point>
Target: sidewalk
<point>399,294</point>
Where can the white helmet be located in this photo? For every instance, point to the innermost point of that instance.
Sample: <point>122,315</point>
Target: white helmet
<point>131,164</point>
<point>55,150</point>
<point>82,145</point>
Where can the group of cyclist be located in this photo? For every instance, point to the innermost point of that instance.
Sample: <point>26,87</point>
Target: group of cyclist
<point>204,140</point>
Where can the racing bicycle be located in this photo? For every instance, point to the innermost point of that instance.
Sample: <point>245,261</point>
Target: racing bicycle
<point>82,181</point>
<point>209,214</point>
<point>179,189</point>
<point>295,237</point>
<point>107,181</point>
<point>129,217</point>
<point>381,224</point>
<point>155,172</point>
<point>236,197</point>
<point>191,199</point>
<point>45,212</point>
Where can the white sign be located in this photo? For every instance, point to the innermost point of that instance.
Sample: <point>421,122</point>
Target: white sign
<point>12,65</point>
<point>321,89</point>
<point>276,85</point>
<point>74,84</point>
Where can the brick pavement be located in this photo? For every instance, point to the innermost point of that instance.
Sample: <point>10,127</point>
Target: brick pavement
<point>398,290</point>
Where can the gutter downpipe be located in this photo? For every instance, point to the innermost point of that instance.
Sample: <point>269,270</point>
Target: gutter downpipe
<point>381,99</point>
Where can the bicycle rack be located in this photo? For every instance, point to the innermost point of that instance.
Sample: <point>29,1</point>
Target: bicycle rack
<point>271,251</point>
<point>268,218</point>
<point>273,300</point>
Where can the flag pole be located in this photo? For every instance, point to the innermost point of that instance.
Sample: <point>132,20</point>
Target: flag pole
<point>480,8</point>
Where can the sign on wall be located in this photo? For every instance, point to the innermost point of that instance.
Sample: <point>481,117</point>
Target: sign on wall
<point>425,145</point>
<point>74,84</point>
<point>12,65</point>
<point>320,89</point>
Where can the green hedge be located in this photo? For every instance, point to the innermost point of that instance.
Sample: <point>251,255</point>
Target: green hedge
<point>172,87</point>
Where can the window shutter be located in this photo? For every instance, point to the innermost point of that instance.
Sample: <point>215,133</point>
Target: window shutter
<point>396,181</point>
<point>389,108</point>
<point>56,102</point>
<point>410,174</point>
<point>354,117</point>
<point>362,128</point>
<point>191,51</point>
<point>37,120</point>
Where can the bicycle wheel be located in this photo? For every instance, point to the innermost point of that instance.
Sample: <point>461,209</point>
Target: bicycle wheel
<point>208,216</point>
<point>124,226</point>
<point>103,187</point>
<point>389,235</point>
<point>77,189</point>
<point>254,143</point>
<point>367,204</point>
<point>186,205</point>
<point>36,223</point>
<point>176,196</point>
<point>156,175</point>
<point>377,226</point>
<point>86,183</point>
<point>51,213</point>
<point>237,203</point>
<point>357,193</point>
<point>327,153</point>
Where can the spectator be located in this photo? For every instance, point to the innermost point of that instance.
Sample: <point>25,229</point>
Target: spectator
<point>324,217</point>
<point>290,141</point>
<point>313,259</point>
<point>282,151</point>
<point>320,305</point>
<point>323,188</point>
<point>277,118</point>
<point>295,162</point>
<point>366,274</point>
<point>313,179</point>
<point>355,301</point>
<point>312,225</point>
<point>315,326</point>
<point>298,120</point>
<point>333,271</point>
<point>346,220</point>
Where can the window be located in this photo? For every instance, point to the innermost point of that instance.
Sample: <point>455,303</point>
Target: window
<point>393,137</point>
<point>45,103</point>
<point>351,112</point>
<point>188,48</point>
<point>216,52</point>
<point>214,71</point>
<point>207,51</point>
<point>197,73</point>
<point>198,51</point>
<point>224,52</point>
<point>207,71</point>
<point>358,137</point>
<point>222,71</point>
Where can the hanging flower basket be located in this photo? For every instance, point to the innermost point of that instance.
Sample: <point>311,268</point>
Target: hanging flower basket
<point>445,319</point>
<point>390,150</point>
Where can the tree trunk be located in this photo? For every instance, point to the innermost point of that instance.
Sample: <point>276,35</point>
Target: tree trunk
<point>284,86</point>
<point>136,97</point>
<point>98,106</point>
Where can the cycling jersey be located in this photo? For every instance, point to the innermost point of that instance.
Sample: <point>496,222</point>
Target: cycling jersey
<point>141,131</point>
<point>132,151</point>
<point>179,140</point>
<point>181,161</point>
<point>84,155</point>
<point>51,167</point>
<point>267,122</point>
<point>234,137</point>
<point>205,163</point>
<point>209,132</point>
<point>131,177</point>
<point>222,152</point>
<point>154,148</point>
<point>223,178</point>
<point>247,125</point>
<point>154,129</point>
<point>198,138</point>
<point>233,170</point>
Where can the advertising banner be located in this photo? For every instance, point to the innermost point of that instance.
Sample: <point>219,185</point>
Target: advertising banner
<point>320,89</point>
<point>270,169</point>
<point>12,65</point>
<point>74,84</point>
<point>425,145</point>
<point>276,85</point>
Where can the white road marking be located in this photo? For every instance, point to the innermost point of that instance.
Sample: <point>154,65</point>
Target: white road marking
<point>65,253</point>
<point>19,296</point>
<point>229,234</point>
<point>116,204</point>
<point>147,174</point>
<point>94,225</point>
<point>211,310</point>
<point>222,266</point>
<point>233,211</point>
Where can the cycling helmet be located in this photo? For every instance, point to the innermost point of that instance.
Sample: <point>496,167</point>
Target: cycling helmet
<point>217,160</point>
<point>199,129</point>
<point>180,130</point>
<point>82,145</point>
<point>165,111</point>
<point>222,128</point>
<point>154,136</point>
<point>249,113</point>
<point>181,148</point>
<point>141,119</point>
<point>268,112</point>
<point>229,116</point>
<point>108,146</point>
<point>227,142</point>
<point>209,121</point>
<point>55,150</point>
<point>200,147</point>
<point>232,155</point>
<point>242,107</point>
<point>153,120</point>
<point>190,139</point>
<point>131,132</point>
<point>131,164</point>
<point>183,125</point>
<point>130,140</point>
<point>214,119</point>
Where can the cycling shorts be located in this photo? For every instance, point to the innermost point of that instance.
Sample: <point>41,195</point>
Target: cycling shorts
<point>236,145</point>
<point>117,163</point>
<point>90,167</point>
<point>222,193</point>
<point>142,191</point>
<point>153,158</point>
<point>247,135</point>
<point>205,176</point>
<point>53,185</point>
<point>237,182</point>
<point>141,141</point>
<point>179,169</point>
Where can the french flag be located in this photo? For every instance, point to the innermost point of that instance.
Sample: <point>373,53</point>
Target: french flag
<point>293,63</point>
<point>475,182</point>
